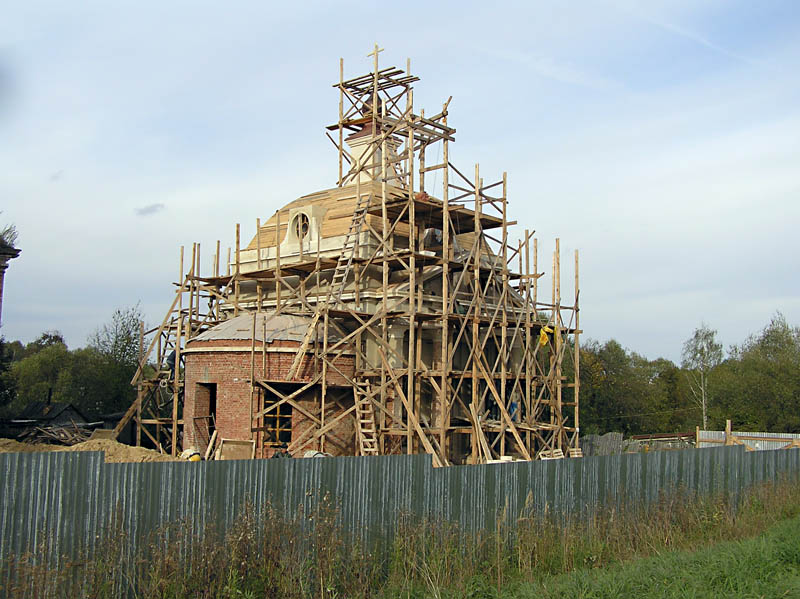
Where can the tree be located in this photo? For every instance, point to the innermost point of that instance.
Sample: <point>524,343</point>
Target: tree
<point>8,235</point>
<point>759,385</point>
<point>118,340</point>
<point>701,354</point>
<point>118,344</point>
<point>8,384</point>
<point>46,339</point>
<point>96,379</point>
<point>40,376</point>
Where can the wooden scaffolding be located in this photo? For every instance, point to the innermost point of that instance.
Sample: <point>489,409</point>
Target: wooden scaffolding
<point>456,351</point>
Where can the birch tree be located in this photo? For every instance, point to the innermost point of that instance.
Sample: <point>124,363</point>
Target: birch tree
<point>701,353</point>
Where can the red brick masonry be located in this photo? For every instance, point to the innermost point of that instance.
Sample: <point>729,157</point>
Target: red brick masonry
<point>227,364</point>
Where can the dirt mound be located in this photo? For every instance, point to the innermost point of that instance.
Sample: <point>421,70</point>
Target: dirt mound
<point>12,446</point>
<point>115,452</point>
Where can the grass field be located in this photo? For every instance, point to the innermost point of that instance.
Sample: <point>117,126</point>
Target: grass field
<point>765,566</point>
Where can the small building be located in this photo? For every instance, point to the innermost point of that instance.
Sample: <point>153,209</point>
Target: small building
<point>43,413</point>
<point>48,422</point>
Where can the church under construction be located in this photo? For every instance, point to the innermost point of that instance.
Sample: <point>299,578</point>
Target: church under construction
<point>385,315</point>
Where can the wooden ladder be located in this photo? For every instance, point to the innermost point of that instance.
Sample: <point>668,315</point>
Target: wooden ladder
<point>343,266</point>
<point>365,417</point>
<point>345,262</point>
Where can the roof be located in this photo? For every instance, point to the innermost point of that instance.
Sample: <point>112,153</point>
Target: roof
<point>339,203</point>
<point>278,327</point>
<point>41,410</point>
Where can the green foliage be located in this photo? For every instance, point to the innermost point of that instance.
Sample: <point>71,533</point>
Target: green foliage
<point>702,351</point>
<point>118,340</point>
<point>95,379</point>
<point>759,386</point>
<point>117,343</point>
<point>8,384</point>
<point>8,235</point>
<point>765,566</point>
<point>623,391</point>
<point>701,354</point>
<point>41,375</point>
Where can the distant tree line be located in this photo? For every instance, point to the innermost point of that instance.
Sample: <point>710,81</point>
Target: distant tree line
<point>95,378</point>
<point>756,385</point>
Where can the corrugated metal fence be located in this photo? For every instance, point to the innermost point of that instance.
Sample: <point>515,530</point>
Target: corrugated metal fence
<point>68,498</point>
<point>753,440</point>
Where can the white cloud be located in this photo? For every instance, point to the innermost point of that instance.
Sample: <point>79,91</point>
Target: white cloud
<point>680,187</point>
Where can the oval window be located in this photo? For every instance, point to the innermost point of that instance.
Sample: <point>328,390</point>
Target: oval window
<point>301,226</point>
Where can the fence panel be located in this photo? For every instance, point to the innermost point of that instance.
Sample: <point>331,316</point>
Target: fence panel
<point>65,499</point>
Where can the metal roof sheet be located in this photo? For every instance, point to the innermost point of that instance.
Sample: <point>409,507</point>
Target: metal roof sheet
<point>278,327</point>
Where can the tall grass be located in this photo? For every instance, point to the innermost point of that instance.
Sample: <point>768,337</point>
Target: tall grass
<point>764,566</point>
<point>265,555</point>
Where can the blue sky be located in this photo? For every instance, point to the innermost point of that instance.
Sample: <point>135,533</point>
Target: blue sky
<point>662,139</point>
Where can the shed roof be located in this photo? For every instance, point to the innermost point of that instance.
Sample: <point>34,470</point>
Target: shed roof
<point>42,410</point>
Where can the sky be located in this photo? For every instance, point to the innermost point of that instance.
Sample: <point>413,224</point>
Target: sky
<point>660,139</point>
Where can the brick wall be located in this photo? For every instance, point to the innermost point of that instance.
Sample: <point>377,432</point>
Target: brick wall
<point>227,364</point>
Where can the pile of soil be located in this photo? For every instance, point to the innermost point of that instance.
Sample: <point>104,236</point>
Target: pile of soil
<point>115,452</point>
<point>12,446</point>
<point>118,452</point>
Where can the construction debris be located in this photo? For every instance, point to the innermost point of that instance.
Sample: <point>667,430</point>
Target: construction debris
<point>62,435</point>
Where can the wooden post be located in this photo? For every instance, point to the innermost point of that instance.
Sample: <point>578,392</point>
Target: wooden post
<point>278,279</point>
<point>384,283</point>
<point>324,385</point>
<point>260,419</point>
<point>444,361</point>
<point>216,274</point>
<point>253,425</point>
<point>341,118</point>
<point>139,388</point>
<point>259,298</point>
<point>176,375</point>
<point>237,272</point>
<point>176,386</point>
<point>476,306</point>
<point>412,296</point>
<point>196,283</point>
<point>527,354</point>
<point>577,381</point>
<point>557,332</point>
<point>504,315</point>
<point>190,284</point>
